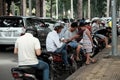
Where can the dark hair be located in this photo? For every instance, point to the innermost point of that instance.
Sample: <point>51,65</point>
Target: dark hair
<point>32,30</point>
<point>58,26</point>
<point>81,24</point>
<point>108,28</point>
<point>74,24</point>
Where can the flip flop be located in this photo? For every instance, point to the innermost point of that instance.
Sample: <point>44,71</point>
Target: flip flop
<point>94,61</point>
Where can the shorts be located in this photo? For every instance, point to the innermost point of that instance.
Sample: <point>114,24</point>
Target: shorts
<point>100,35</point>
<point>88,48</point>
<point>73,44</point>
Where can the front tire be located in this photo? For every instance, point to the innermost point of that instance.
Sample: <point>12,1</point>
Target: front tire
<point>73,67</point>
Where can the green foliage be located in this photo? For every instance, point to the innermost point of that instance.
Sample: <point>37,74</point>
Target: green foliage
<point>98,7</point>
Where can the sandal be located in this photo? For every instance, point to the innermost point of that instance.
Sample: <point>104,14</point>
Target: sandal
<point>93,61</point>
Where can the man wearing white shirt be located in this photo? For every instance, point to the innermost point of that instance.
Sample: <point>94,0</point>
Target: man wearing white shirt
<point>28,48</point>
<point>54,44</point>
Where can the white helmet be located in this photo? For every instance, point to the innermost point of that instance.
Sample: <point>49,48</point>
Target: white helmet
<point>87,21</point>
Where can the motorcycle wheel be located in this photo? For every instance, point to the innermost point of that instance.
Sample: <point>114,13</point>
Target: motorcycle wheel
<point>73,67</point>
<point>52,73</point>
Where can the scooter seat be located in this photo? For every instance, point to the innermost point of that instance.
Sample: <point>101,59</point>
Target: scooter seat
<point>25,69</point>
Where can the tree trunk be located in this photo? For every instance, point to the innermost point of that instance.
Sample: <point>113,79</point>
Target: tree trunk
<point>37,8</point>
<point>40,6</point>
<point>89,9</point>
<point>23,7</point>
<point>44,8</point>
<point>79,9</point>
<point>108,6</point>
<point>56,9</point>
<point>30,8</point>
<point>71,9</point>
<point>2,7</point>
<point>51,8</point>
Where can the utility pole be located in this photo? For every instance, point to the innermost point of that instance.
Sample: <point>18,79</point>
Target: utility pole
<point>114,30</point>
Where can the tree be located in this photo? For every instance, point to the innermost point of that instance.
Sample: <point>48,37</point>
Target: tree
<point>40,7</point>
<point>118,7</point>
<point>79,9</point>
<point>98,8</point>
<point>89,9</point>
<point>23,8</point>
<point>2,7</point>
<point>108,8</point>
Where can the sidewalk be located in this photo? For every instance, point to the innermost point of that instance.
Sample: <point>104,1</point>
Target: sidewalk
<point>106,68</point>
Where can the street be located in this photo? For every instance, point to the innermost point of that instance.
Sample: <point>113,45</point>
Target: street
<point>7,61</point>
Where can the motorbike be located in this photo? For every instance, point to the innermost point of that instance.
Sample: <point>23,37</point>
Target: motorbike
<point>97,45</point>
<point>26,73</point>
<point>57,68</point>
<point>81,55</point>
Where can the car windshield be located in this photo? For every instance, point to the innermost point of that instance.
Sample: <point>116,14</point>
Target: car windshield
<point>40,25</point>
<point>11,22</point>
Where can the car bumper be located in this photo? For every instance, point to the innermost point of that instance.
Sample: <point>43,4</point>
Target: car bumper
<point>7,41</point>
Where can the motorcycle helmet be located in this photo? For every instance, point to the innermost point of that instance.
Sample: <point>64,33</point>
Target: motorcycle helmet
<point>32,30</point>
<point>87,21</point>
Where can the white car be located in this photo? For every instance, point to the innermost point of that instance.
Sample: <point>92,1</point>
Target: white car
<point>11,27</point>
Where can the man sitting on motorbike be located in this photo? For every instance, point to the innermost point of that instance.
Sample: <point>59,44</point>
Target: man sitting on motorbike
<point>27,47</point>
<point>95,28</point>
<point>72,31</point>
<point>55,45</point>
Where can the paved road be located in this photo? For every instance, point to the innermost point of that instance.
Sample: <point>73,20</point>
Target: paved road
<point>7,61</point>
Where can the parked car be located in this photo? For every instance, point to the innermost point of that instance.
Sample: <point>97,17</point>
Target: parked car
<point>11,27</point>
<point>49,21</point>
<point>43,29</point>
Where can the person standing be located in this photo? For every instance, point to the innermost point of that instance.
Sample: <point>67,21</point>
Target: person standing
<point>87,43</point>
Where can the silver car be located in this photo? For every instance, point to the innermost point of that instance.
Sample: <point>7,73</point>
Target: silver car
<point>11,27</point>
